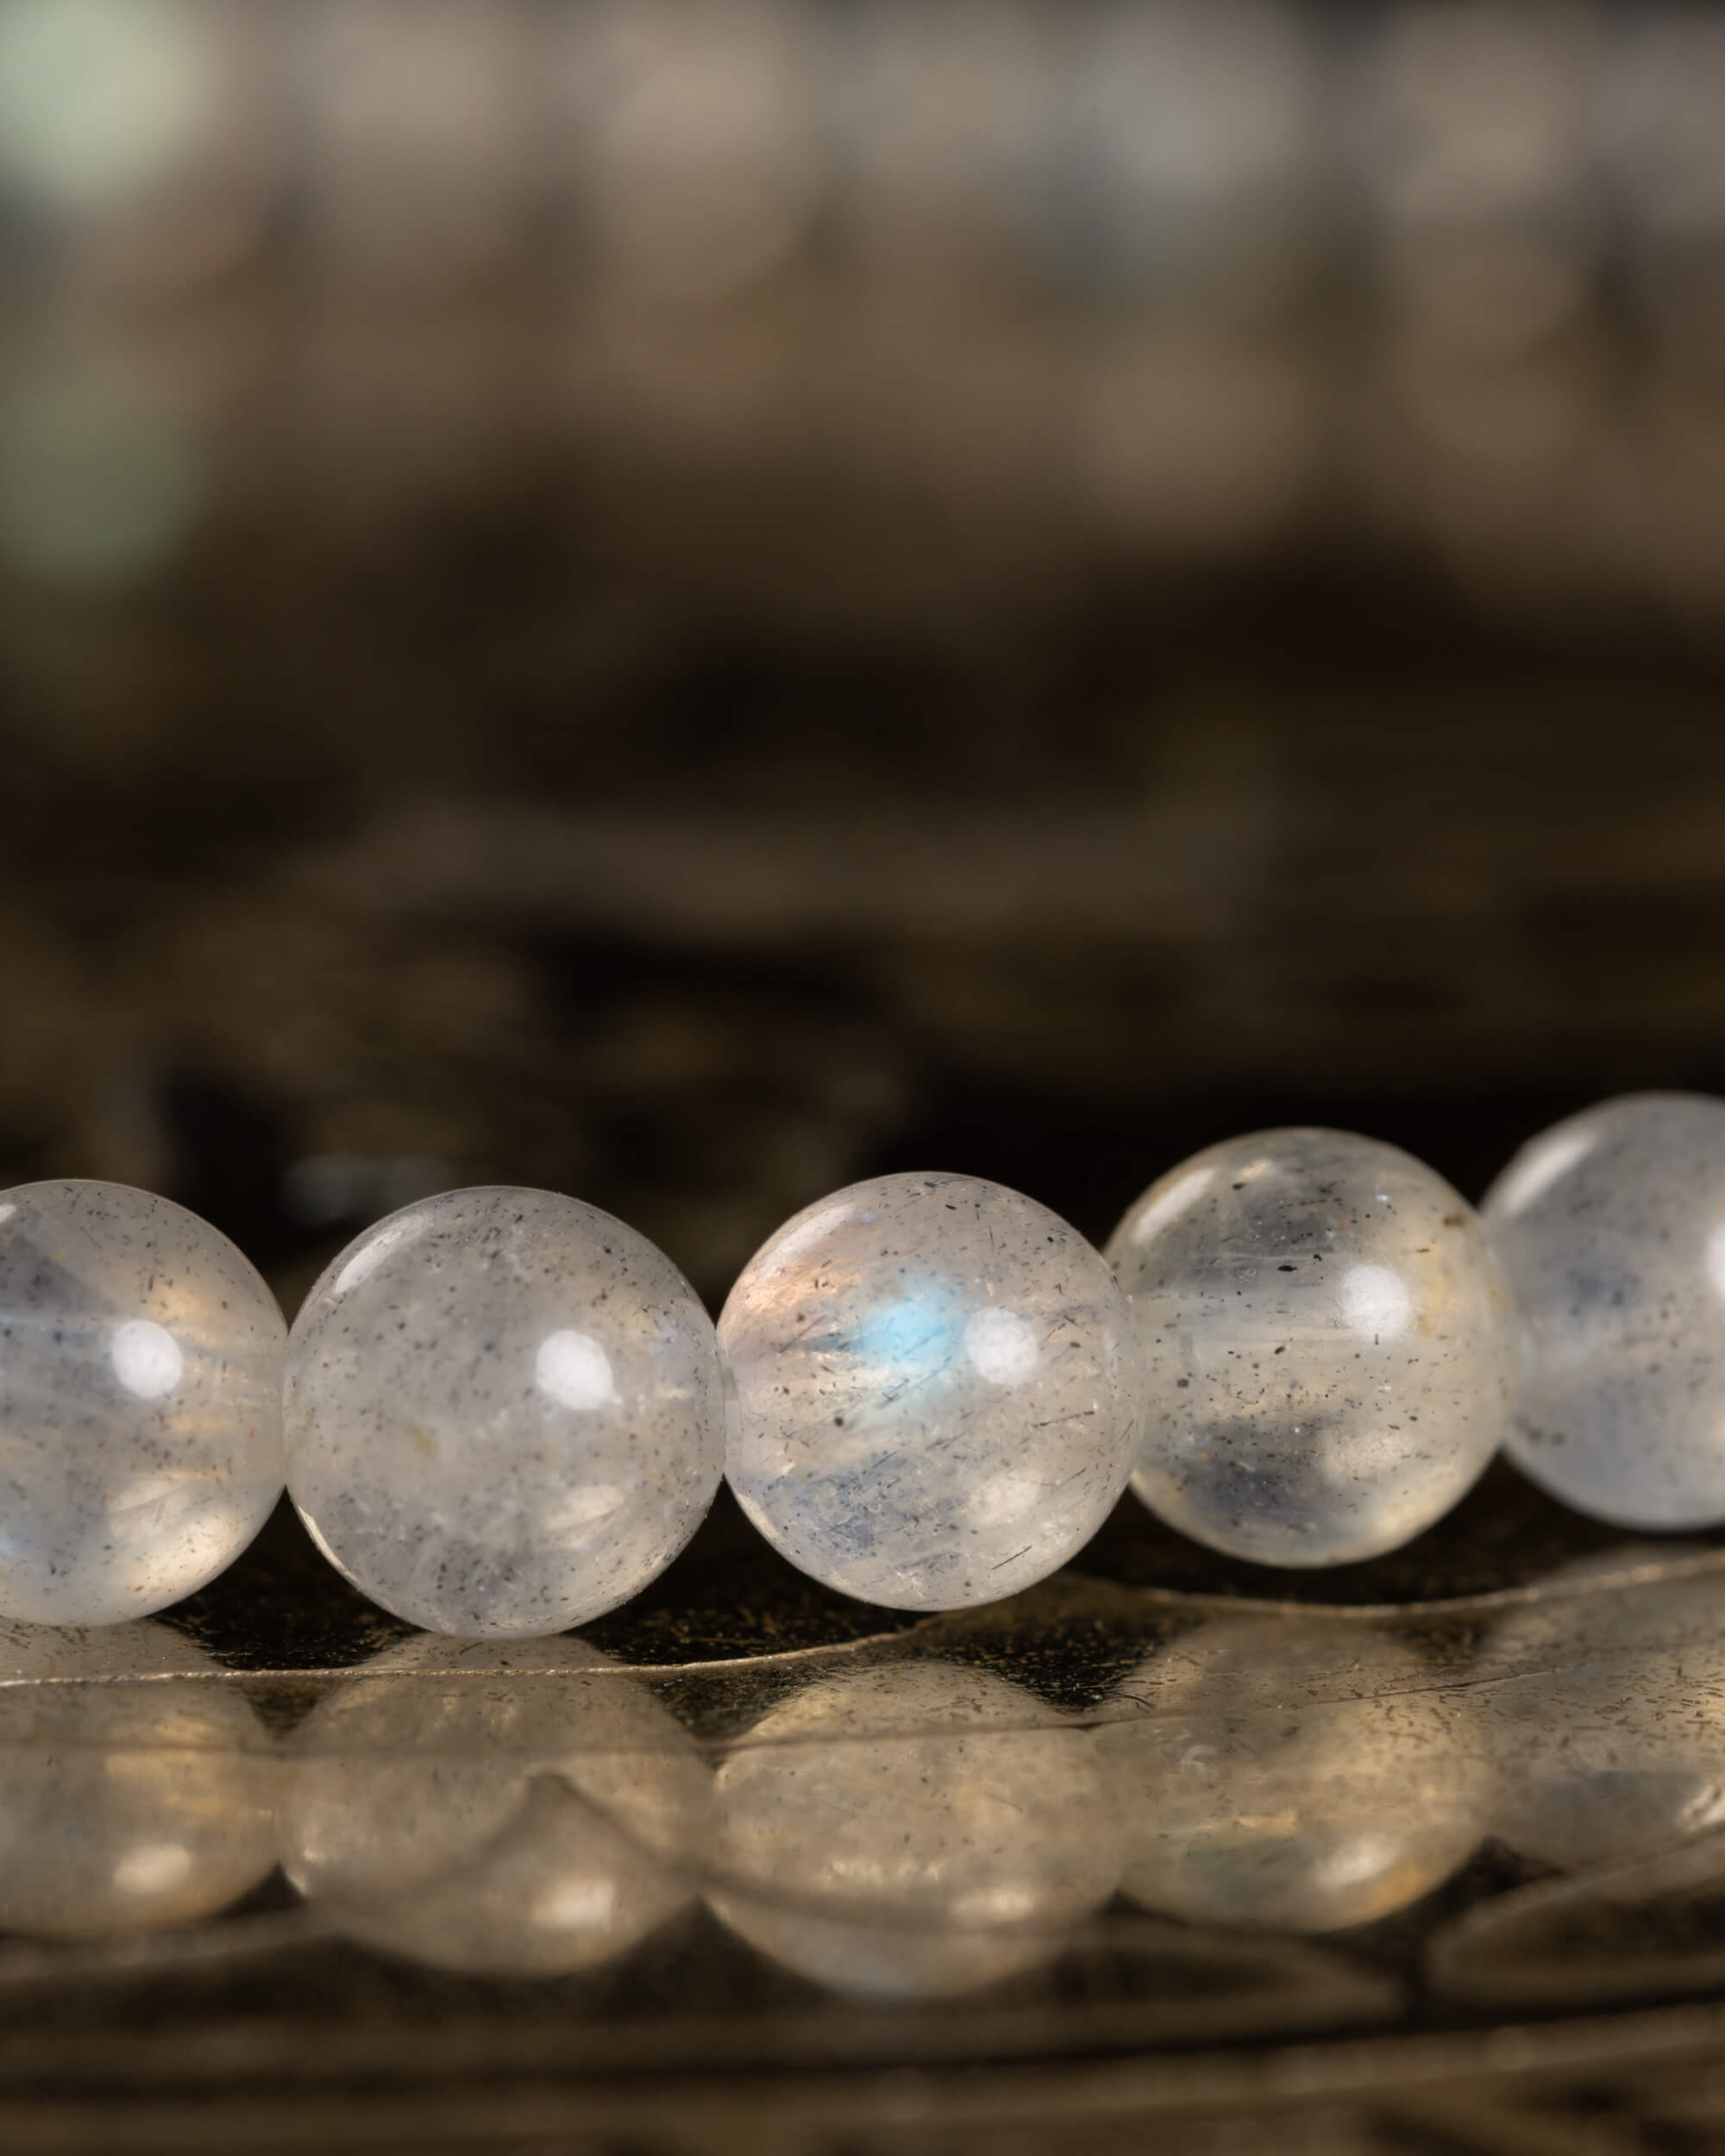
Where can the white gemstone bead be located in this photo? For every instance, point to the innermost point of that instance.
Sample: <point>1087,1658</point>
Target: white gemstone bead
<point>937,1394</point>
<point>527,1823</point>
<point>1329,1346</point>
<point>504,1412</point>
<point>1612,1228</point>
<point>911,1830</point>
<point>140,1361</point>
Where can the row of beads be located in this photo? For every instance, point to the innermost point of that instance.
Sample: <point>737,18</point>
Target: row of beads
<point>502,1412</point>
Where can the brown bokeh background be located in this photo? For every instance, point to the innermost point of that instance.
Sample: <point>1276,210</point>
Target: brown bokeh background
<point>687,603</point>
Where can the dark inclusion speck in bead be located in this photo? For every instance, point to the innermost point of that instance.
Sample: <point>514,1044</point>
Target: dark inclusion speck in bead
<point>1612,1228</point>
<point>504,1413</point>
<point>1329,1346</point>
<point>937,1391</point>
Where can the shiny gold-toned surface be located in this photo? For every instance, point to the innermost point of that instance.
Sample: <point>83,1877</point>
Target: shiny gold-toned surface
<point>1108,1858</point>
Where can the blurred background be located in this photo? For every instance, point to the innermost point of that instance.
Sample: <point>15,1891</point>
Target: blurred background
<point>689,600</point>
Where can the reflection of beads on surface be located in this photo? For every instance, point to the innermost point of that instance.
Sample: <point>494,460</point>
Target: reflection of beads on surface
<point>1303,1773</point>
<point>911,1832</point>
<point>128,1807</point>
<point>141,1361</point>
<point>1607,1710</point>
<point>527,1823</point>
<point>937,1391</point>
<point>1328,1344</point>
<point>1612,1227</point>
<point>504,1412</point>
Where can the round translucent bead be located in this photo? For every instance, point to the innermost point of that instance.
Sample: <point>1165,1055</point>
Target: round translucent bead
<point>1612,1228</point>
<point>1302,1773</point>
<point>459,1806</point>
<point>140,1360</point>
<point>937,1396</point>
<point>504,1412</point>
<point>1329,1346</point>
<point>911,1830</point>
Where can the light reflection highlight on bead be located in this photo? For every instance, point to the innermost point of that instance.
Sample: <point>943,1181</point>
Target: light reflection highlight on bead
<point>1714,1258</point>
<point>379,1244</point>
<point>789,1249</point>
<point>1538,1167</point>
<point>1172,1200</point>
<point>147,1358</point>
<point>1002,1346</point>
<point>575,1371</point>
<point>1375,1301</point>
